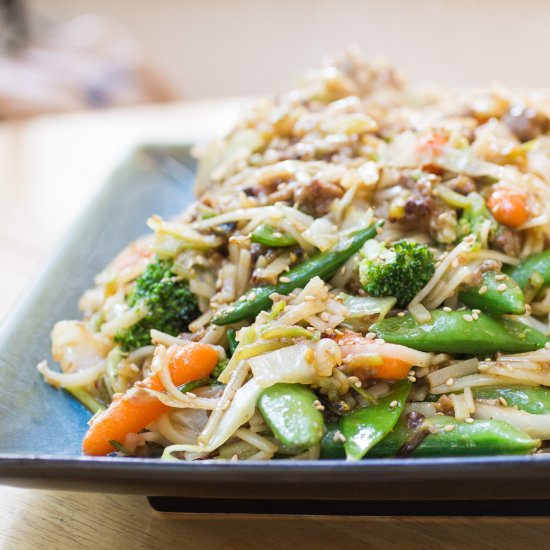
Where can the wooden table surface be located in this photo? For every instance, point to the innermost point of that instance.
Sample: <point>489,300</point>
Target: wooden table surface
<point>50,167</point>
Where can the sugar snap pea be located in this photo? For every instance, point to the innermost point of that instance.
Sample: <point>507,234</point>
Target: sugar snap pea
<point>270,236</point>
<point>331,445</point>
<point>489,296</point>
<point>531,399</point>
<point>537,262</point>
<point>365,427</point>
<point>458,332</point>
<point>289,410</point>
<point>323,265</point>
<point>449,437</point>
<point>231,340</point>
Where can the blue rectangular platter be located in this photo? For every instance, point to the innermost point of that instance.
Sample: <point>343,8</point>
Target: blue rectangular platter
<point>41,428</point>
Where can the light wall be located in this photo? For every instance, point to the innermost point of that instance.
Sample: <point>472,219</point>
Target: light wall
<point>220,47</point>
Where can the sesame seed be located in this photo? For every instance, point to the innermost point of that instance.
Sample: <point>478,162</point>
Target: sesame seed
<point>447,308</point>
<point>309,298</point>
<point>500,277</point>
<point>284,279</point>
<point>469,420</point>
<point>251,296</point>
<point>191,394</point>
<point>401,314</point>
<point>412,373</point>
<point>338,332</point>
<point>379,341</point>
<point>229,309</point>
<point>358,384</point>
<point>411,379</point>
<point>482,290</point>
<point>450,381</point>
<point>501,287</point>
<point>478,311</point>
<point>468,318</point>
<point>339,436</point>
<point>277,234</point>
<point>503,401</point>
<point>370,335</point>
<point>235,458</point>
<point>318,405</point>
<point>394,404</point>
<point>329,331</point>
<point>379,230</point>
<point>475,316</point>
<point>449,427</point>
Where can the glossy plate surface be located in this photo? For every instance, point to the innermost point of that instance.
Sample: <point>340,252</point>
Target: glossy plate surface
<point>41,428</point>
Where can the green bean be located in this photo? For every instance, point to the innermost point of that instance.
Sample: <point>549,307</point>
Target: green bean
<point>363,428</point>
<point>269,236</point>
<point>537,263</point>
<point>458,332</point>
<point>450,437</point>
<point>190,386</point>
<point>289,410</point>
<point>531,399</point>
<point>323,265</point>
<point>489,296</point>
<point>534,286</point>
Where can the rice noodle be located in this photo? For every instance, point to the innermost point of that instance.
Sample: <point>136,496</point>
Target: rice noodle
<point>69,379</point>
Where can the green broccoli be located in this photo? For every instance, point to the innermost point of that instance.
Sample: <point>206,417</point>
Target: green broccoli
<point>169,303</point>
<point>473,218</point>
<point>400,271</point>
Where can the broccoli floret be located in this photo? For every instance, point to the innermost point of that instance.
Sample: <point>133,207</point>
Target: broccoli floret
<point>169,303</point>
<point>400,271</point>
<point>473,217</point>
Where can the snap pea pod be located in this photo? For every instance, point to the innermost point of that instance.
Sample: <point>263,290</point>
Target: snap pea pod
<point>288,409</point>
<point>365,427</point>
<point>231,340</point>
<point>487,296</point>
<point>457,332</point>
<point>323,265</point>
<point>537,262</point>
<point>531,399</point>
<point>270,236</point>
<point>331,445</point>
<point>478,438</point>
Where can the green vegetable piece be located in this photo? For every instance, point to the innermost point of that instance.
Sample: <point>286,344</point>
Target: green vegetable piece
<point>400,271</point>
<point>365,427</point>
<point>323,265</point>
<point>479,438</point>
<point>450,332</point>
<point>288,409</point>
<point>86,398</point>
<point>494,301</point>
<point>538,262</point>
<point>219,368</point>
<point>190,386</point>
<point>331,446</point>
<point>473,217</point>
<point>270,236</point>
<point>232,341</point>
<point>534,286</point>
<point>169,303</point>
<point>531,399</point>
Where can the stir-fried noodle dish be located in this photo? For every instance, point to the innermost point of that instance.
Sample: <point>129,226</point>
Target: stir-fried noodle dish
<point>365,273</point>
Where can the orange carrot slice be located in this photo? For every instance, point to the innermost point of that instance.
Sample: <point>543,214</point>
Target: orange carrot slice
<point>133,412</point>
<point>509,207</point>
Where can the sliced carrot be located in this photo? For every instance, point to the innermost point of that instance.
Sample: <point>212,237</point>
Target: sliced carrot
<point>385,367</point>
<point>134,411</point>
<point>392,369</point>
<point>508,206</point>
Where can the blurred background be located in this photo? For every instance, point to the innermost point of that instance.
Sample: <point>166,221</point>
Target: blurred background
<point>135,51</point>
